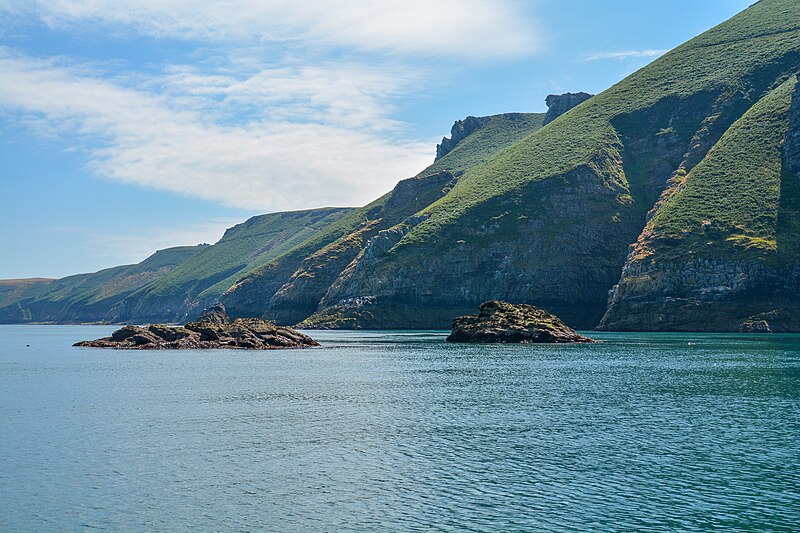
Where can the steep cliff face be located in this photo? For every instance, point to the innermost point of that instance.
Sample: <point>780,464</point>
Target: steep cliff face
<point>300,296</point>
<point>521,254</point>
<point>549,220</point>
<point>720,252</point>
<point>290,288</point>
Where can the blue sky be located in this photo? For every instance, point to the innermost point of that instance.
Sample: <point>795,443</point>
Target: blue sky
<point>128,126</point>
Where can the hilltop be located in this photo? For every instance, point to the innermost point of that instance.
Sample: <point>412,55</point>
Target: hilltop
<point>670,201</point>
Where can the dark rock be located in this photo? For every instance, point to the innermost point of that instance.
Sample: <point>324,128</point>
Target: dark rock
<point>215,314</point>
<point>169,333</point>
<point>558,104</point>
<point>460,130</point>
<point>791,144</point>
<point>214,331</point>
<point>502,322</point>
<point>126,332</point>
<point>143,338</point>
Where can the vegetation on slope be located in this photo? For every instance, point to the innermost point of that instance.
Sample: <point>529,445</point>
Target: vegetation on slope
<point>730,199</point>
<point>89,297</point>
<point>721,252</point>
<point>746,55</point>
<point>326,253</point>
<point>570,197</point>
<point>242,248</point>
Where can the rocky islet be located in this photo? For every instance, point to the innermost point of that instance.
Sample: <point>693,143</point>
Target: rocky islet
<point>213,329</point>
<point>503,322</point>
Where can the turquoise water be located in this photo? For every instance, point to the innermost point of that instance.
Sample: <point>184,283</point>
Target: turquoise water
<point>400,431</point>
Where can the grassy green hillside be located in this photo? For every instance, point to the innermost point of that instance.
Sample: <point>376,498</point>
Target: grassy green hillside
<point>304,250</point>
<point>242,249</point>
<point>300,277</point>
<point>722,251</point>
<point>14,290</point>
<point>90,297</point>
<point>729,201</point>
<point>682,159</point>
<point>744,57</point>
<point>548,220</point>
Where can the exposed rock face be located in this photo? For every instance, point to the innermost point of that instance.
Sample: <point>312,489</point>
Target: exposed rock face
<point>300,296</point>
<point>558,104</point>
<point>458,132</point>
<point>791,145</point>
<point>714,275</point>
<point>703,295</point>
<point>215,314</point>
<point>502,322</point>
<point>213,330</point>
<point>507,253</point>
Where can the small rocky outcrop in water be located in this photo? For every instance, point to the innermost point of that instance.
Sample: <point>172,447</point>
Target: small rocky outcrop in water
<point>213,329</point>
<point>502,322</point>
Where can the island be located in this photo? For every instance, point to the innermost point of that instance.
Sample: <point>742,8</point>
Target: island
<point>503,322</point>
<point>213,329</point>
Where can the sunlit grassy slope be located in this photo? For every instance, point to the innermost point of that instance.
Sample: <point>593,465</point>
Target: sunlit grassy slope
<point>748,53</point>
<point>243,248</point>
<point>86,297</point>
<point>499,132</point>
<point>731,199</point>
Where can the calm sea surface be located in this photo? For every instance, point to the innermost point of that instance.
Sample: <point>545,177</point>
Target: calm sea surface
<point>401,431</point>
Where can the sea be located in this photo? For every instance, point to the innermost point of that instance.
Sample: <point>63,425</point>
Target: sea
<point>401,431</point>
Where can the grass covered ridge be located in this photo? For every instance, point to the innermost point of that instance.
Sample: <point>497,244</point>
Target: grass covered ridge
<point>730,200</point>
<point>745,55</point>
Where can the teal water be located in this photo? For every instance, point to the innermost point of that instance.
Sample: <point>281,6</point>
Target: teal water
<point>400,431</point>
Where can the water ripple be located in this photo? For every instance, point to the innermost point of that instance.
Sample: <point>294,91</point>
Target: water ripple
<point>400,431</point>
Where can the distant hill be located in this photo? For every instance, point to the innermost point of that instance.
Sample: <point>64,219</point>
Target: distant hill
<point>670,201</point>
<point>85,297</point>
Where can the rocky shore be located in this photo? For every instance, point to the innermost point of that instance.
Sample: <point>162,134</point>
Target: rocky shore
<point>502,322</point>
<point>213,329</point>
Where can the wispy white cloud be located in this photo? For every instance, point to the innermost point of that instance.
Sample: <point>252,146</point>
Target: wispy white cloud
<point>459,28</point>
<point>115,247</point>
<point>625,54</point>
<point>282,121</point>
<point>313,136</point>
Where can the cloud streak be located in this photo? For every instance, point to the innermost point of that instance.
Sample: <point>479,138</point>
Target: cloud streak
<point>307,139</point>
<point>625,54</point>
<point>455,28</point>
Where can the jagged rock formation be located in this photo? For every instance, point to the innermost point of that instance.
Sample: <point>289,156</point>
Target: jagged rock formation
<point>213,330</point>
<point>460,130</point>
<point>503,322</point>
<point>558,104</point>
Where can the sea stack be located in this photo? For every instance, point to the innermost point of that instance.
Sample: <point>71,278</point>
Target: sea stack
<point>503,322</point>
